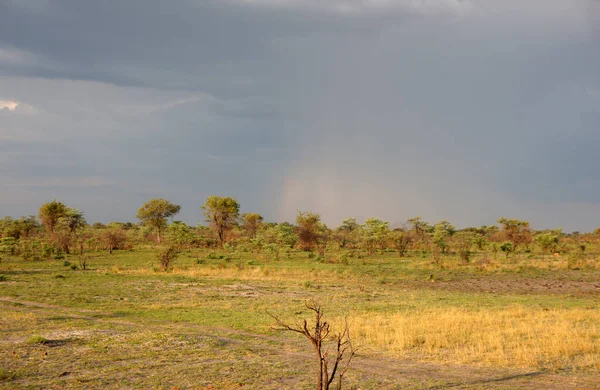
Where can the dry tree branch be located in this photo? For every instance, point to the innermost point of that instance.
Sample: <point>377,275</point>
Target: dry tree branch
<point>320,333</point>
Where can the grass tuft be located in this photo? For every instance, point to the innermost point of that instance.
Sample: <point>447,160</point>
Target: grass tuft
<point>36,339</point>
<point>6,375</point>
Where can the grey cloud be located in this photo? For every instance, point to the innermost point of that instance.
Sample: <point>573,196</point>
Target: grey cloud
<point>346,108</point>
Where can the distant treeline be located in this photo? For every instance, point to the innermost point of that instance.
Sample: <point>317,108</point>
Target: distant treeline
<point>59,229</point>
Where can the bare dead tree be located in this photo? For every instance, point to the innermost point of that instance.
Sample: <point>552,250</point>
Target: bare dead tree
<point>341,346</point>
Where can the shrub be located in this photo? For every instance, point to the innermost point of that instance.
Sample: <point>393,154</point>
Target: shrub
<point>576,260</point>
<point>83,262</point>
<point>36,339</point>
<point>344,258</point>
<point>166,255</point>
<point>8,245</point>
<point>465,255</point>
<point>214,256</point>
<point>47,250</point>
<point>507,248</point>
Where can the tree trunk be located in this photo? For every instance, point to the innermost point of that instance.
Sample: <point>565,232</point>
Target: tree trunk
<point>320,377</point>
<point>221,234</point>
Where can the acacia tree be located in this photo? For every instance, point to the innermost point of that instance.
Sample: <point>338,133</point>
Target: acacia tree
<point>252,222</point>
<point>166,255</point>
<point>461,243</point>
<point>401,239</point>
<point>181,234</point>
<point>18,228</point>
<point>421,230</point>
<point>442,231</point>
<point>375,233</point>
<point>549,240</point>
<point>113,237</point>
<point>73,220</point>
<point>516,231</point>
<point>50,213</point>
<point>72,225</point>
<point>346,233</point>
<point>420,227</point>
<point>222,214</point>
<point>311,232</point>
<point>155,213</point>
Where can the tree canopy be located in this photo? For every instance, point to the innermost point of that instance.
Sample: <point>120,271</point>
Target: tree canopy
<point>155,213</point>
<point>51,212</point>
<point>222,214</point>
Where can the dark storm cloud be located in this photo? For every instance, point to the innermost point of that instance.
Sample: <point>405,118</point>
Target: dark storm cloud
<point>462,110</point>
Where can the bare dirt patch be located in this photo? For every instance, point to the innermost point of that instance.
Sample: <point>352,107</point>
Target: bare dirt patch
<point>518,286</point>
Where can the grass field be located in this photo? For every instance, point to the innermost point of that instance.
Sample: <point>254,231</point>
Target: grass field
<point>525,322</point>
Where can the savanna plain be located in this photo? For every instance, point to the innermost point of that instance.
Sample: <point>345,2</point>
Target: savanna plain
<point>123,323</point>
<point>419,319</point>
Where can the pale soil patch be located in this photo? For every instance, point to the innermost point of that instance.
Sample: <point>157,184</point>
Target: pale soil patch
<point>491,284</point>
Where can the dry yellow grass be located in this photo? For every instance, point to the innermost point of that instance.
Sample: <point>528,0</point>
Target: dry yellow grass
<point>264,273</point>
<point>10,317</point>
<point>515,336</point>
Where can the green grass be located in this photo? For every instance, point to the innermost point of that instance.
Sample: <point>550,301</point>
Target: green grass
<point>36,339</point>
<point>189,326</point>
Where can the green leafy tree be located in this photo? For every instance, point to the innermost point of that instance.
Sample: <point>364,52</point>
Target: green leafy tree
<point>442,231</point>
<point>516,231</point>
<point>166,255</point>
<point>252,223</point>
<point>73,220</point>
<point>374,234</point>
<point>422,231</point>
<point>490,230</point>
<point>507,248</point>
<point>420,227</point>
<point>286,235</point>
<point>222,213</point>
<point>549,241</point>
<point>50,213</point>
<point>181,234</point>
<point>8,246</point>
<point>113,237</point>
<point>401,239</point>
<point>311,231</point>
<point>283,234</point>
<point>155,213</point>
<point>480,240</point>
<point>347,233</point>
<point>72,226</point>
<point>461,243</point>
<point>18,228</point>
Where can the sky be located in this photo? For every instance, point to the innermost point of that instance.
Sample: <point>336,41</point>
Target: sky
<point>463,110</point>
